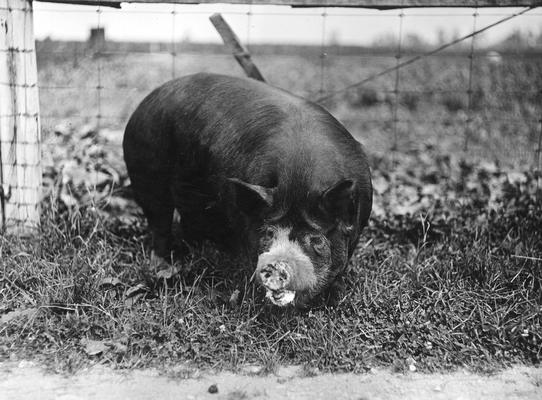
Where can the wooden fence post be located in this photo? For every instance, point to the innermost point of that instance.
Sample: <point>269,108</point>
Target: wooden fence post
<point>239,51</point>
<point>20,149</point>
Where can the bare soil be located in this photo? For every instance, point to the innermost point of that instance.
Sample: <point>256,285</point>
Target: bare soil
<point>27,381</point>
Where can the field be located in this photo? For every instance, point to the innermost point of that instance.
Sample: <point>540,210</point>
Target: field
<point>447,274</point>
<point>499,120</point>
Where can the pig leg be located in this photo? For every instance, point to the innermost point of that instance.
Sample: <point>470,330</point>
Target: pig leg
<point>158,208</point>
<point>336,291</point>
<point>160,225</point>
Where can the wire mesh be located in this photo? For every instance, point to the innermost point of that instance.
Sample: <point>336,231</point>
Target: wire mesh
<point>332,61</point>
<point>20,172</point>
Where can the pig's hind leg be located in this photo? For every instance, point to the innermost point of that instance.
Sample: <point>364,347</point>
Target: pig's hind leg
<point>158,207</point>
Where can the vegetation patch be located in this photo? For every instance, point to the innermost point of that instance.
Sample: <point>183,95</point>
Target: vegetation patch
<point>447,274</point>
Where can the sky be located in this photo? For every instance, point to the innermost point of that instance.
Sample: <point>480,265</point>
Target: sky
<point>274,24</point>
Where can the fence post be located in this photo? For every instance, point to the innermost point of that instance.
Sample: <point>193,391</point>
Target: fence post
<point>20,150</point>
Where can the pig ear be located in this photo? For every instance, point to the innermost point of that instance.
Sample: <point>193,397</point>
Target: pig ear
<point>251,197</point>
<point>338,201</point>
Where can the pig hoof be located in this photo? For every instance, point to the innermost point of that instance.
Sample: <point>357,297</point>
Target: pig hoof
<point>280,298</point>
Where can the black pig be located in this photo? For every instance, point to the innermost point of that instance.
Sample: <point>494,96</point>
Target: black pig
<point>251,167</point>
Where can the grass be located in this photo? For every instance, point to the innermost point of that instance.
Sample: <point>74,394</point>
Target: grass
<point>455,283</point>
<point>447,274</point>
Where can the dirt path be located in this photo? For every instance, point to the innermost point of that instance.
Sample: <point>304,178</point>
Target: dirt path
<point>26,381</point>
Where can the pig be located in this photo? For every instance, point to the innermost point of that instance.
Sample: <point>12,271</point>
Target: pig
<point>255,169</point>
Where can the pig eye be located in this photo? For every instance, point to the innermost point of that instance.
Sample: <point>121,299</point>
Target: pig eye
<point>269,233</point>
<point>318,244</point>
<point>316,241</point>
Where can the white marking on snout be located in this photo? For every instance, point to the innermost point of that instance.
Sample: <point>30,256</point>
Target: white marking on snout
<point>283,250</point>
<point>280,299</point>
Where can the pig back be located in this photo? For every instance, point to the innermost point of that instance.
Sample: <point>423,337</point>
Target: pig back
<point>201,129</point>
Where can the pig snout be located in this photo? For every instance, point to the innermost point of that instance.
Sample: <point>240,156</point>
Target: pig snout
<point>285,271</point>
<point>275,276</point>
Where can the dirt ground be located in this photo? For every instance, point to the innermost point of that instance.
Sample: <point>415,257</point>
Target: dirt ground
<point>25,380</point>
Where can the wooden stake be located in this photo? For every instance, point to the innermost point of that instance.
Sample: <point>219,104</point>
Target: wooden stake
<point>240,53</point>
<point>20,155</point>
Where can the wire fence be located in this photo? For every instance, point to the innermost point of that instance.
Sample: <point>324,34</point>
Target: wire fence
<point>397,94</point>
<point>394,98</point>
<point>20,172</point>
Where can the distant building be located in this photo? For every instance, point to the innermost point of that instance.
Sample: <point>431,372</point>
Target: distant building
<point>96,40</point>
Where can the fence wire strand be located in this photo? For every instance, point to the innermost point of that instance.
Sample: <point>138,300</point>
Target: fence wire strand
<point>323,54</point>
<point>539,152</point>
<point>100,48</point>
<point>249,24</point>
<point>173,40</point>
<point>469,90</point>
<point>11,156</point>
<point>397,79</point>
